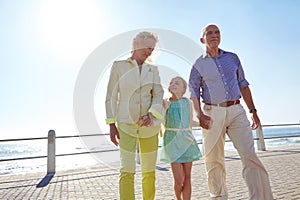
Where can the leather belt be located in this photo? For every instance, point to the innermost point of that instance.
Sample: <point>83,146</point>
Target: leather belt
<point>225,104</point>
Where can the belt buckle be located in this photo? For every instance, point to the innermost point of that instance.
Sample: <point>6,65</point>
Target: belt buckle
<point>228,103</point>
<point>233,103</point>
<point>236,102</point>
<point>223,104</point>
<point>219,104</point>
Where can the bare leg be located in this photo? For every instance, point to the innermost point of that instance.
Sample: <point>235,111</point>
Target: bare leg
<point>187,186</point>
<point>177,174</point>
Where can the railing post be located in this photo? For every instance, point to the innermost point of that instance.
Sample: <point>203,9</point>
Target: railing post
<point>51,153</point>
<point>261,141</point>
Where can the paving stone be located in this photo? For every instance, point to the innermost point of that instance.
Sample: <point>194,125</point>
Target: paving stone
<point>99,182</point>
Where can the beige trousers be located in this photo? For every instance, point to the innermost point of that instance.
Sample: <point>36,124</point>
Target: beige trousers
<point>233,121</point>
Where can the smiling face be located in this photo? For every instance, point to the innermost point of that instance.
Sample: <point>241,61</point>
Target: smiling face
<point>143,49</point>
<point>211,36</point>
<point>177,87</point>
<point>143,45</point>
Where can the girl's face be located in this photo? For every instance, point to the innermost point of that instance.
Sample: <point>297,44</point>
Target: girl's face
<point>177,87</point>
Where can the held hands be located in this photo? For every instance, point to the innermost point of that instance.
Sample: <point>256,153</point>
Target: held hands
<point>146,120</point>
<point>114,134</point>
<point>205,121</point>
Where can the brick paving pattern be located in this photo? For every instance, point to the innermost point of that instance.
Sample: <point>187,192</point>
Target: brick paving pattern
<point>99,182</point>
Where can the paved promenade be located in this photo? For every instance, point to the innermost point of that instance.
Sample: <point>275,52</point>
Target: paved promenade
<point>98,182</point>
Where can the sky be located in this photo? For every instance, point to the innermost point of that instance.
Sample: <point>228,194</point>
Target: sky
<point>44,44</point>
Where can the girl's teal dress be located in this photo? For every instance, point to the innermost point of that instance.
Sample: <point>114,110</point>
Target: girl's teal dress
<point>179,144</point>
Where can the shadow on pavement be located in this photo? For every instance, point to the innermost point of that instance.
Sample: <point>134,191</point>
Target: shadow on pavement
<point>45,181</point>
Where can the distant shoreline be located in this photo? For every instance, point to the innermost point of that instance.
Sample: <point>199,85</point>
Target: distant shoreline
<point>115,166</point>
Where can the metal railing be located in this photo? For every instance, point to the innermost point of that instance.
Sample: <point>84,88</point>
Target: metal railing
<point>51,149</point>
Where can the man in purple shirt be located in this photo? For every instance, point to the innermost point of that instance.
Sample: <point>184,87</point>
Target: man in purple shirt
<point>218,78</point>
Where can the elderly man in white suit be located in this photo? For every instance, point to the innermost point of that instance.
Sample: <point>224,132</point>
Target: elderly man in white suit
<point>133,102</point>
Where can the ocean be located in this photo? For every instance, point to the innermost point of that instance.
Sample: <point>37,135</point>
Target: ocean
<point>72,145</point>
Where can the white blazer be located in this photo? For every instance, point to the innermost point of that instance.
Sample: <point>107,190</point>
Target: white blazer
<point>131,93</point>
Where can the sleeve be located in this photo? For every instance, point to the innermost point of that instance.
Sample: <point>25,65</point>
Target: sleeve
<point>166,105</point>
<point>112,95</point>
<point>156,108</point>
<point>195,82</point>
<point>240,74</point>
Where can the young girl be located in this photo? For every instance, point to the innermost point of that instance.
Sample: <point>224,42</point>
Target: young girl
<point>179,145</point>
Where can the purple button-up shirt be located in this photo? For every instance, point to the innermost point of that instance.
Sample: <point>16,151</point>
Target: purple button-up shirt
<point>218,79</point>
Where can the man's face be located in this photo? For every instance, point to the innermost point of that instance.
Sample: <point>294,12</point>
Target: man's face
<point>211,37</point>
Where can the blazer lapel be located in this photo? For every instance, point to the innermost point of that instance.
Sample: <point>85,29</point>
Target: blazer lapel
<point>145,71</point>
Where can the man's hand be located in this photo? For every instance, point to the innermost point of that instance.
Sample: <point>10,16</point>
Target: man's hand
<point>255,120</point>
<point>114,134</point>
<point>205,121</point>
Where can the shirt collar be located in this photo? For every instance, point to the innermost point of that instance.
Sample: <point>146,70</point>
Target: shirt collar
<point>206,54</point>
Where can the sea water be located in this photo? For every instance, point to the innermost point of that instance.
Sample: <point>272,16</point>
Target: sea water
<point>32,148</point>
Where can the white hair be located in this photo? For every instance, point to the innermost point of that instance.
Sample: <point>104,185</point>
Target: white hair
<point>142,36</point>
<point>203,30</point>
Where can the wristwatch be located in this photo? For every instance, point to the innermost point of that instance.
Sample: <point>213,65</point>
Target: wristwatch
<point>252,110</point>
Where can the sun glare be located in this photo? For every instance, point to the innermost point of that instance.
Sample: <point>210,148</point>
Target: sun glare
<point>70,26</point>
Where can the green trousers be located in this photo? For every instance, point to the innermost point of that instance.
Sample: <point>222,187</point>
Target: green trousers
<point>148,156</point>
